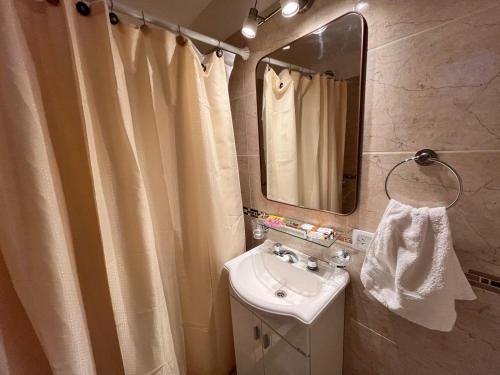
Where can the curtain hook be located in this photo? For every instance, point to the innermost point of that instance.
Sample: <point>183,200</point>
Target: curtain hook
<point>180,38</point>
<point>219,51</point>
<point>113,18</point>
<point>82,8</point>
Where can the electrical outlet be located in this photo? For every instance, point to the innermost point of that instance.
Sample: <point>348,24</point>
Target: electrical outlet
<point>361,239</point>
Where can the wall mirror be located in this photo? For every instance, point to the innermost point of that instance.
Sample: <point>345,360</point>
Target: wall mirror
<point>310,102</point>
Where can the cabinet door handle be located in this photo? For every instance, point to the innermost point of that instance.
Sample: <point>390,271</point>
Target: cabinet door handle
<point>256,332</point>
<point>266,341</point>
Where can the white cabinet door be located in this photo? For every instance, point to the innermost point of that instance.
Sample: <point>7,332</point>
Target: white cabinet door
<point>281,358</point>
<point>247,333</point>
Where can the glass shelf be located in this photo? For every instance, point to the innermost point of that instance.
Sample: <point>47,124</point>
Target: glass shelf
<point>293,227</point>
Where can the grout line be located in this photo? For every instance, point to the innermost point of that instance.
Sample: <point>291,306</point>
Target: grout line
<point>431,28</point>
<point>373,331</point>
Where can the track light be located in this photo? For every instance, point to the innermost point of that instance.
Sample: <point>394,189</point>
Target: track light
<point>289,8</point>
<point>249,29</point>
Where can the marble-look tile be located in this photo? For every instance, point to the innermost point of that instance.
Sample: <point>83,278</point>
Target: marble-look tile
<point>438,89</point>
<point>368,353</point>
<point>238,108</point>
<point>251,124</point>
<point>470,348</point>
<point>390,20</point>
<point>243,169</point>
<point>474,220</point>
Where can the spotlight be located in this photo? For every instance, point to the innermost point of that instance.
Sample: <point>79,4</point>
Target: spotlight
<point>361,6</point>
<point>289,8</point>
<point>249,29</point>
<point>286,47</point>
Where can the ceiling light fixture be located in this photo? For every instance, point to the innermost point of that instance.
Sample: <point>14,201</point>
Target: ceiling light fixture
<point>289,8</point>
<point>361,6</point>
<point>249,29</point>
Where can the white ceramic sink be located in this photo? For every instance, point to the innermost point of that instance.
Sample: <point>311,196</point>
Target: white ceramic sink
<point>258,275</point>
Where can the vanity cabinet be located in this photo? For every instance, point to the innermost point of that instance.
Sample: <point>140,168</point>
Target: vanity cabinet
<point>270,344</point>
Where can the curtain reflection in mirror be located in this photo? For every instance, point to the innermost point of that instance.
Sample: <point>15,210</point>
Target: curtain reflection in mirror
<point>304,124</point>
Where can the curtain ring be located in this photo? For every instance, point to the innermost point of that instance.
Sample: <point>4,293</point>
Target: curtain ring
<point>113,18</point>
<point>219,52</point>
<point>82,8</point>
<point>180,38</point>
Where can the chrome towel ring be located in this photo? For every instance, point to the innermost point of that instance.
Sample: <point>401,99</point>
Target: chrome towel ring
<point>427,157</point>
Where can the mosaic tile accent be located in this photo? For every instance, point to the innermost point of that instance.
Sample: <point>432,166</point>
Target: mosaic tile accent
<point>484,281</point>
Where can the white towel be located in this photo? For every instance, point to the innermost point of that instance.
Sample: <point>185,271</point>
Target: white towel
<point>412,269</point>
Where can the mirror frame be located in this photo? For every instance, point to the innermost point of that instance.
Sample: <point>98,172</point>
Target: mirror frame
<point>361,111</point>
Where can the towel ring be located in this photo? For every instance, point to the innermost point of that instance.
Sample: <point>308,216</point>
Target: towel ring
<point>427,157</point>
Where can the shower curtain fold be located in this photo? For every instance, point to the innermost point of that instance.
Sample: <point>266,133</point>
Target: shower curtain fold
<point>118,166</point>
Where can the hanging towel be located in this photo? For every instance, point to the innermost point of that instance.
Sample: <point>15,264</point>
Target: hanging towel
<point>412,269</point>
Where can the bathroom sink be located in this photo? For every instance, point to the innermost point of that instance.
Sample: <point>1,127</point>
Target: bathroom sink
<point>270,283</point>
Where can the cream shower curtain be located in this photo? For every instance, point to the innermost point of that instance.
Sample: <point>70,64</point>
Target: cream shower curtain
<point>278,120</point>
<point>304,120</point>
<point>331,147</point>
<point>119,193</point>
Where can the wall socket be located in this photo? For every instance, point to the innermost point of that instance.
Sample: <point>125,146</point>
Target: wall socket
<point>361,239</point>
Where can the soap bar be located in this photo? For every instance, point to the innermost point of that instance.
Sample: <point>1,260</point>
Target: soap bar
<point>307,227</point>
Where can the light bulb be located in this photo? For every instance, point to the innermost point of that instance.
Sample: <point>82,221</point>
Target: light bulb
<point>249,29</point>
<point>361,6</point>
<point>289,8</point>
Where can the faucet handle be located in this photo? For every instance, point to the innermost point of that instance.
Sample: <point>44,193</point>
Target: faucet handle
<point>277,248</point>
<point>341,258</point>
<point>312,263</point>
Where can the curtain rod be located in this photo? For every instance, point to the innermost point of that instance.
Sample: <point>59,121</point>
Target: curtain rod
<point>283,64</point>
<point>175,28</point>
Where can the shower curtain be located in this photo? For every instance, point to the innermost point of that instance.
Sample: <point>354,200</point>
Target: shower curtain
<point>304,121</point>
<point>119,193</point>
<point>278,121</point>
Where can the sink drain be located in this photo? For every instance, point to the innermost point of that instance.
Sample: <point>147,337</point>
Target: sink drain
<point>280,293</point>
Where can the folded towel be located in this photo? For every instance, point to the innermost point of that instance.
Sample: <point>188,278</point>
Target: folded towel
<point>412,269</point>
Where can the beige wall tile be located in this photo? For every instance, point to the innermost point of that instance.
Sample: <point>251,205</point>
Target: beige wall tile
<point>390,20</point>
<point>437,89</point>
<point>244,180</point>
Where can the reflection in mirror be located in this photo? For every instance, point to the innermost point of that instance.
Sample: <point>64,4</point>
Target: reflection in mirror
<point>310,100</point>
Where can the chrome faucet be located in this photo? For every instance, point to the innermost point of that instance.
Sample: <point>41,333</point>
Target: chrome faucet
<point>281,252</point>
